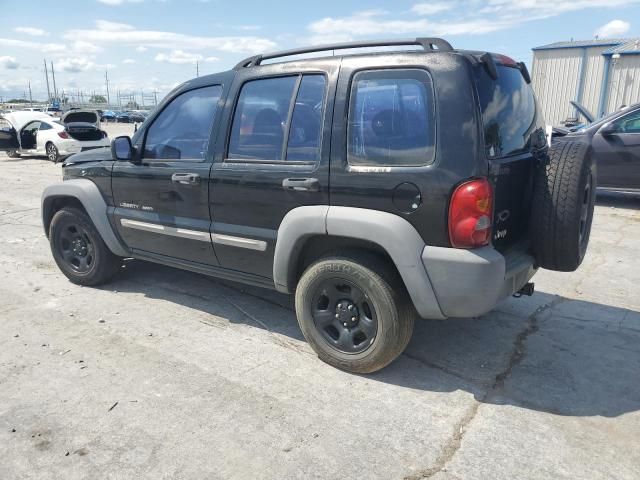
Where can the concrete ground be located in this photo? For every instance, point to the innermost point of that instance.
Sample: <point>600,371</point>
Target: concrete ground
<point>168,374</point>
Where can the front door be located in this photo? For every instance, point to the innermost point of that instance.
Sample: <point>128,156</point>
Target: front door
<point>618,153</point>
<point>8,136</point>
<point>273,158</point>
<point>162,200</point>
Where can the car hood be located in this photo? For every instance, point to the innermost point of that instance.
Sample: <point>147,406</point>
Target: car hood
<point>585,113</point>
<point>81,116</point>
<point>94,155</point>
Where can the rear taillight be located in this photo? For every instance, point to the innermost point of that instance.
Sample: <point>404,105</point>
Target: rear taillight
<point>63,135</point>
<point>470,213</point>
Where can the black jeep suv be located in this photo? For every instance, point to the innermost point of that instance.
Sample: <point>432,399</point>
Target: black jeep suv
<point>376,186</point>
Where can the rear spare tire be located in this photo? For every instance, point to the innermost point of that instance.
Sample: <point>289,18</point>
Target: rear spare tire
<point>562,211</point>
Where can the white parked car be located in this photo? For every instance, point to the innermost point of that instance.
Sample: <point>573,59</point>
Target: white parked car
<point>36,133</point>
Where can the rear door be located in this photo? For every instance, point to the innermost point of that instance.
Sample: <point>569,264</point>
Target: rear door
<point>273,157</point>
<point>8,136</point>
<point>162,201</point>
<point>513,130</point>
<point>392,137</point>
<point>618,153</point>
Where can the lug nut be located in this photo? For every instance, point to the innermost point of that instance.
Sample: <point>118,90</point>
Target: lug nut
<point>345,324</point>
<point>350,307</point>
<point>337,316</point>
<point>353,319</point>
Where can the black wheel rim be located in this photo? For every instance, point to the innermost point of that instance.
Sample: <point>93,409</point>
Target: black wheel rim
<point>585,210</point>
<point>344,316</point>
<point>76,248</point>
<point>51,152</point>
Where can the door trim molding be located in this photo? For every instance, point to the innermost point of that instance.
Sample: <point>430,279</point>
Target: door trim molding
<point>241,242</point>
<point>221,239</point>
<point>165,230</point>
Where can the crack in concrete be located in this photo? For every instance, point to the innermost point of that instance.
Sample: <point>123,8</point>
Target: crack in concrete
<point>454,443</point>
<point>448,371</point>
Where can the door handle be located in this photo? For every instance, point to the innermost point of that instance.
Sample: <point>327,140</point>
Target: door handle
<point>301,184</point>
<point>185,178</point>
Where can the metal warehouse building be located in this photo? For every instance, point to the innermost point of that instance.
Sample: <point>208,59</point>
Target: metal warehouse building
<point>602,75</point>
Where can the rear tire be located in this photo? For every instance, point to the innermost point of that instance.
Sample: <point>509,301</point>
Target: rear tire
<point>52,152</point>
<point>354,312</point>
<point>78,249</point>
<point>563,203</point>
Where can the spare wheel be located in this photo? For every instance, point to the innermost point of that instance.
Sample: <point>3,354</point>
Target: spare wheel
<point>562,210</point>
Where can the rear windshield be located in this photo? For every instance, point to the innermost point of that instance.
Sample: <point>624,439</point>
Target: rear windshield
<point>511,118</point>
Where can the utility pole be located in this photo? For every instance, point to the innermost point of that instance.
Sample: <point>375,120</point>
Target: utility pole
<point>53,76</point>
<point>106,79</point>
<point>46,76</point>
<point>155,98</point>
<point>30,97</point>
<point>197,69</point>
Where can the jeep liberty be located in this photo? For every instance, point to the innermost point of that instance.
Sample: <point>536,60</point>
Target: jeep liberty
<point>376,186</point>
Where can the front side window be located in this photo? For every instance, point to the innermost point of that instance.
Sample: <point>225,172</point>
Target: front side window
<point>391,119</point>
<point>183,128</point>
<point>629,123</point>
<point>269,126</point>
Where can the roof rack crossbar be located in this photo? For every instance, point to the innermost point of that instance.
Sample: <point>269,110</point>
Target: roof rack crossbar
<point>428,43</point>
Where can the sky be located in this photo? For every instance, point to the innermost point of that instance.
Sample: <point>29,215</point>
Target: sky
<point>153,45</point>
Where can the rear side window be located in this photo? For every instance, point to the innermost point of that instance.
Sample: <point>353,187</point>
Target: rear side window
<point>182,130</point>
<point>45,126</point>
<point>510,116</point>
<point>305,133</point>
<point>278,119</point>
<point>391,119</point>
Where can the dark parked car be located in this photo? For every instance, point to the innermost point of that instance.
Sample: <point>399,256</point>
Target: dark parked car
<point>376,187</point>
<point>615,144</point>
<point>123,117</point>
<point>108,116</point>
<point>137,117</point>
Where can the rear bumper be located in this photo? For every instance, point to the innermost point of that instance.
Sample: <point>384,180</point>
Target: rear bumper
<point>69,147</point>
<point>469,283</point>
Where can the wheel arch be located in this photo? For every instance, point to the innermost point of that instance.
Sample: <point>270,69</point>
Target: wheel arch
<point>309,230</point>
<point>83,194</point>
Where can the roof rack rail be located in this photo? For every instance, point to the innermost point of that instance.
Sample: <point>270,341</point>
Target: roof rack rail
<point>428,43</point>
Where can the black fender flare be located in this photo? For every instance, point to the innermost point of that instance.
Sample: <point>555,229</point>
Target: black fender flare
<point>394,234</point>
<point>88,194</point>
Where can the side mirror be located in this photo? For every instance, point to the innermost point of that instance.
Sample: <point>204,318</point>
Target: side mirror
<point>122,148</point>
<point>608,129</point>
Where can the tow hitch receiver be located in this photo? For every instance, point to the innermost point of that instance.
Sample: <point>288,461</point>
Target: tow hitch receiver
<point>527,290</point>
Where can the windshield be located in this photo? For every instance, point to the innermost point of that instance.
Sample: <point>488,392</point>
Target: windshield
<point>511,118</point>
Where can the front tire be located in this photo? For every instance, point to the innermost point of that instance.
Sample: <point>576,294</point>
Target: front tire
<point>52,152</point>
<point>78,249</point>
<point>354,312</point>
<point>13,154</point>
